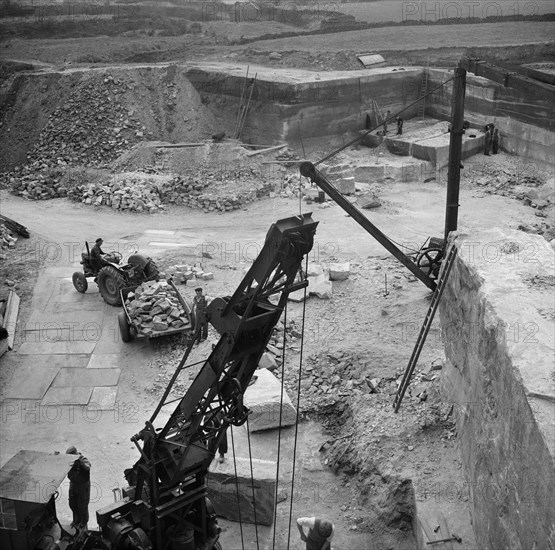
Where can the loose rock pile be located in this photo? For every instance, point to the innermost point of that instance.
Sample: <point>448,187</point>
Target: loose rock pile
<point>92,127</point>
<point>37,184</point>
<point>131,192</point>
<point>154,308</point>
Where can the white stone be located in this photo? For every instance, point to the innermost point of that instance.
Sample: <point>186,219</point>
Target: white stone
<point>320,287</point>
<point>263,398</point>
<point>339,272</point>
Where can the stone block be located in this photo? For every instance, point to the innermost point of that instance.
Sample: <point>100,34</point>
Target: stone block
<point>263,398</point>
<point>346,186</point>
<point>320,287</point>
<point>222,489</point>
<point>339,272</point>
<point>368,200</point>
<point>314,269</point>
<point>207,276</point>
<point>188,275</point>
<point>267,361</point>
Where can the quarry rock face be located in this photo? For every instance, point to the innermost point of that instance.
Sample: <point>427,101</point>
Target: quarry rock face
<point>498,332</point>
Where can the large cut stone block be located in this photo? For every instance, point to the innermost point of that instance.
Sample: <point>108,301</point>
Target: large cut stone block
<point>222,490</point>
<point>263,398</point>
<point>345,185</point>
<point>339,272</point>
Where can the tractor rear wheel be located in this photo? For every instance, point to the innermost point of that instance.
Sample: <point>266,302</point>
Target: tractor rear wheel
<point>80,282</point>
<point>110,281</point>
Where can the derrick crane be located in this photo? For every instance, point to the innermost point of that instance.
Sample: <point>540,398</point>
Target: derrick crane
<point>168,500</point>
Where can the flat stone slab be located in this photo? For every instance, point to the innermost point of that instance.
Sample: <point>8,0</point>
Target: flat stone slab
<point>59,361</point>
<point>67,396</point>
<point>55,348</point>
<point>103,361</point>
<point>80,317</point>
<point>52,332</point>
<point>86,377</point>
<point>263,398</point>
<point>104,398</point>
<point>222,489</point>
<point>30,382</point>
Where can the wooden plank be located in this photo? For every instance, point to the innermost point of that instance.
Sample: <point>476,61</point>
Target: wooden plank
<point>267,150</point>
<point>179,145</point>
<point>14,226</point>
<point>10,319</point>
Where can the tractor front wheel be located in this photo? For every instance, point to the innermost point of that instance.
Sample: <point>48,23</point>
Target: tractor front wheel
<point>110,281</point>
<point>80,282</point>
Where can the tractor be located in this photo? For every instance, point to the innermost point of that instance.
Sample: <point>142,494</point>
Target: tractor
<point>112,276</point>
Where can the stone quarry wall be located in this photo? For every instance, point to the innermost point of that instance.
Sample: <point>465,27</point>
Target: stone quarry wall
<point>299,106</point>
<point>526,124</point>
<point>498,321</point>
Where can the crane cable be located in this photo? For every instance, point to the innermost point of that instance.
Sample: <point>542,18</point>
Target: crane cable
<point>252,485</point>
<point>297,412</point>
<point>237,489</point>
<point>279,425</point>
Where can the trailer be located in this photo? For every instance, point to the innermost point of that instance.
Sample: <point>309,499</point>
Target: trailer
<point>127,326</point>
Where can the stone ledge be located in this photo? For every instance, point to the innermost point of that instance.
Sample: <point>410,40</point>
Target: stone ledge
<point>498,325</point>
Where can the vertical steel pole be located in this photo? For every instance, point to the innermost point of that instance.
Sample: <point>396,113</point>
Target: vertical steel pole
<point>455,150</point>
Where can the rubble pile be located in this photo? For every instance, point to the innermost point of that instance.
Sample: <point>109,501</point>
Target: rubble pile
<point>36,183</point>
<point>92,127</point>
<point>132,192</point>
<point>209,190</point>
<point>154,307</point>
<point>186,272</point>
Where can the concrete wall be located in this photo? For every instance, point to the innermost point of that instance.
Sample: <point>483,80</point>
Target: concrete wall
<point>526,124</point>
<point>498,322</point>
<point>291,104</point>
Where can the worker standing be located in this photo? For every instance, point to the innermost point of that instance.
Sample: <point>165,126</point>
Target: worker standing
<point>495,142</point>
<point>320,533</point>
<point>399,126</point>
<point>487,145</point>
<point>201,322</point>
<point>387,115</point>
<point>79,489</point>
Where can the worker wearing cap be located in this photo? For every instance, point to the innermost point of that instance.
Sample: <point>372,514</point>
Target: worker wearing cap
<point>199,306</point>
<point>79,489</point>
<point>320,533</point>
<point>97,255</point>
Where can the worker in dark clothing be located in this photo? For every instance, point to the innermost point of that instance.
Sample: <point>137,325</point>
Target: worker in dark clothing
<point>387,115</point>
<point>487,145</point>
<point>79,490</point>
<point>201,322</point>
<point>320,533</point>
<point>97,255</point>
<point>399,126</point>
<point>495,142</point>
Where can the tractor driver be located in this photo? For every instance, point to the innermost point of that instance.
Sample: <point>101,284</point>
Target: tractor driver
<point>97,254</point>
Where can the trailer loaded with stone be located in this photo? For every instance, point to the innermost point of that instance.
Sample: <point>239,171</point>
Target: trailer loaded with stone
<point>153,309</point>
